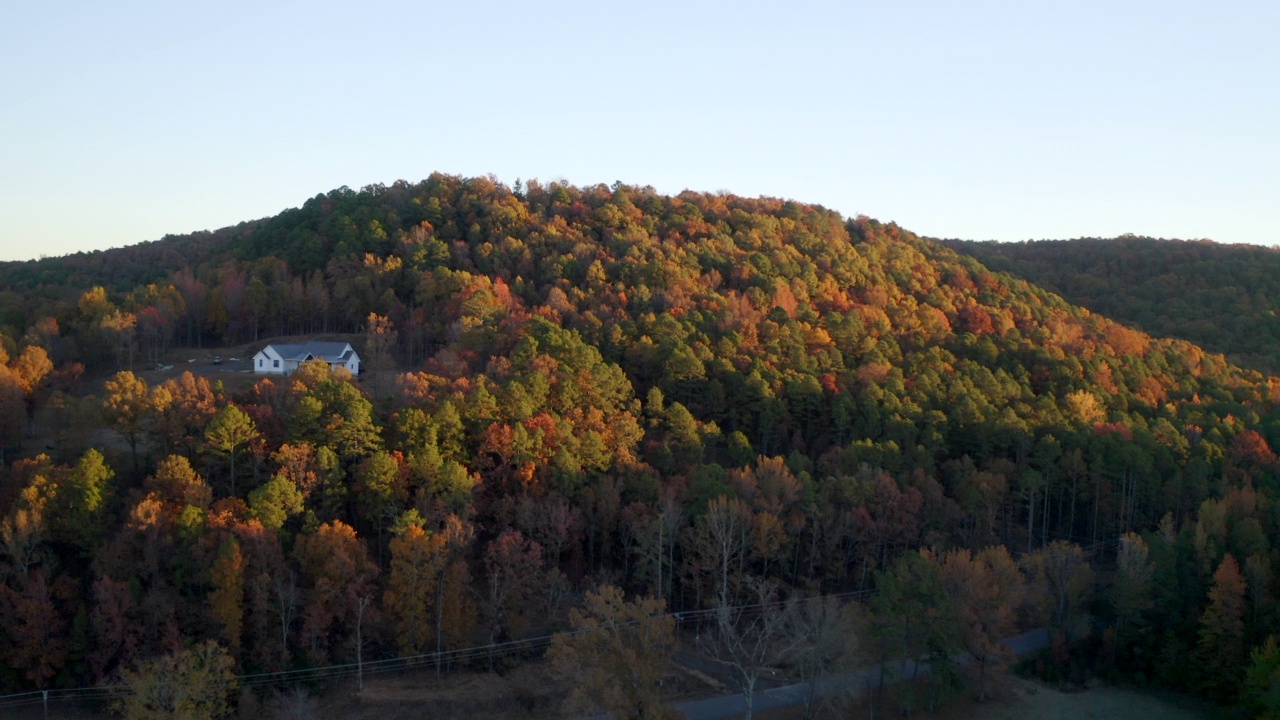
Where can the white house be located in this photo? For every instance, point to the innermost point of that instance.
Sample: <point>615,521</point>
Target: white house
<point>279,359</point>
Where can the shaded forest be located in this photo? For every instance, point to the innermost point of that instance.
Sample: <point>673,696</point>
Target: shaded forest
<point>584,394</point>
<point>1221,297</point>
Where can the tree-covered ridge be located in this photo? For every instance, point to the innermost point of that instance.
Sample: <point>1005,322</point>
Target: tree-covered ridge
<point>703,398</point>
<point>119,270</point>
<point>1222,297</point>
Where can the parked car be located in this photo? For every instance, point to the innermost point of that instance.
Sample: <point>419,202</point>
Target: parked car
<point>217,359</point>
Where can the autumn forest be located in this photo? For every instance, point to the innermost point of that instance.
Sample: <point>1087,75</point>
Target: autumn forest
<point>587,409</point>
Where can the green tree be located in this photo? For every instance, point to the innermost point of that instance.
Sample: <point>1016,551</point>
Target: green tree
<point>331,412</point>
<point>275,501</point>
<point>1131,594</point>
<point>912,618</point>
<point>228,431</point>
<point>1260,696</point>
<point>81,500</point>
<point>379,491</point>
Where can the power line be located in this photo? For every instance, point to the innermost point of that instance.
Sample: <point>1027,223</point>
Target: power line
<point>405,662</point>
<point>408,662</point>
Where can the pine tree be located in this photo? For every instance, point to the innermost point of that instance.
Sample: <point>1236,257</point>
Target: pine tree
<point>1222,650</point>
<point>228,431</point>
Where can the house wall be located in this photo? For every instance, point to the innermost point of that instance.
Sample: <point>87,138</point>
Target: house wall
<point>352,365</point>
<point>269,362</point>
<point>265,363</point>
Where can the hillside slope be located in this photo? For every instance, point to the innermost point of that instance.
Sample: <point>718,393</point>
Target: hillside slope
<point>1222,297</point>
<point>699,397</point>
<point>736,307</point>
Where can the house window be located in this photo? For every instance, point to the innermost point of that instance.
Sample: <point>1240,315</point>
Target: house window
<point>275,363</point>
<point>259,362</point>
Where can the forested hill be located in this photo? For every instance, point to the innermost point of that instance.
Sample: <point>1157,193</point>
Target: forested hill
<point>117,269</point>
<point>1222,297</point>
<point>704,398</point>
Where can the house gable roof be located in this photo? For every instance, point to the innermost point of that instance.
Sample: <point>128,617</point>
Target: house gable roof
<point>332,352</point>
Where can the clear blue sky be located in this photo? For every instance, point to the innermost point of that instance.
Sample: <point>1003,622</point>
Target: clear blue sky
<point>122,122</point>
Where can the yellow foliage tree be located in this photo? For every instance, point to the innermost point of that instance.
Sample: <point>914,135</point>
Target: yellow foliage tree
<point>189,685</point>
<point>620,650</point>
<point>226,601</point>
<point>127,409</point>
<point>417,562</point>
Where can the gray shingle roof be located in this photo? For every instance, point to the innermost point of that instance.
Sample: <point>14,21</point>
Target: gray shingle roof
<point>327,351</point>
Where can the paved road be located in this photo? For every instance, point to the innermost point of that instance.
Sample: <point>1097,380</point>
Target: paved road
<point>727,706</point>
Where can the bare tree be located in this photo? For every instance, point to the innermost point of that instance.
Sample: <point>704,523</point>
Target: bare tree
<point>285,605</point>
<point>380,339</point>
<point>824,641</point>
<point>1060,582</point>
<point>750,638</point>
<point>719,543</point>
<point>362,603</point>
<point>294,704</point>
